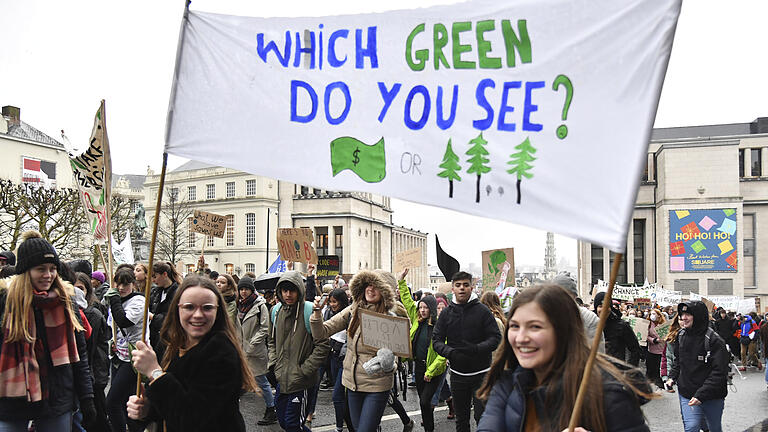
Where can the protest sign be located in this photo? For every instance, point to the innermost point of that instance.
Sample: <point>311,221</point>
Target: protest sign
<point>626,293</point>
<point>729,303</point>
<point>666,298</point>
<point>295,244</point>
<point>639,328</point>
<point>123,252</point>
<point>410,258</point>
<point>746,306</point>
<point>327,266</point>
<point>710,305</point>
<point>476,106</point>
<point>663,329</point>
<point>384,331</point>
<point>498,264</point>
<point>643,302</point>
<point>210,224</point>
<point>90,169</point>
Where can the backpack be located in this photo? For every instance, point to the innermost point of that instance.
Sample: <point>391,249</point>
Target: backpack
<point>307,312</point>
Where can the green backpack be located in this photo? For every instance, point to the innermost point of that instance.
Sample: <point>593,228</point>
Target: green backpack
<point>307,312</point>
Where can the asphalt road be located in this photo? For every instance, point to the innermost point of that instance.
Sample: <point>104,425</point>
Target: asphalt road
<point>746,409</point>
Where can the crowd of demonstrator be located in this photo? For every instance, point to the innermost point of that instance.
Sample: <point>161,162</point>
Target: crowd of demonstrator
<point>69,333</point>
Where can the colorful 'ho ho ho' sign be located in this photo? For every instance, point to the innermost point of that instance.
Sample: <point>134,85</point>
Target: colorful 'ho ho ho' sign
<point>296,245</point>
<point>703,240</point>
<point>498,108</point>
<point>210,224</point>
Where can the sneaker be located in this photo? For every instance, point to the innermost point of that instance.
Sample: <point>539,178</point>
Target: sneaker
<point>411,384</point>
<point>270,417</point>
<point>408,427</point>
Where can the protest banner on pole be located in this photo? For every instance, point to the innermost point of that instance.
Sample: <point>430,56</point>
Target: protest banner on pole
<point>498,263</point>
<point>640,328</point>
<point>209,224</point>
<point>385,331</point>
<point>381,103</point>
<point>123,252</point>
<point>410,258</point>
<point>327,266</point>
<point>295,244</point>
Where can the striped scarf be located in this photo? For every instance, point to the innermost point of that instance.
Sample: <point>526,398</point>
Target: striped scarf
<point>23,365</point>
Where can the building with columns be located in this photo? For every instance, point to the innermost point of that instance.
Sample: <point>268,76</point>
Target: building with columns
<point>357,227</point>
<point>696,178</point>
<point>404,239</point>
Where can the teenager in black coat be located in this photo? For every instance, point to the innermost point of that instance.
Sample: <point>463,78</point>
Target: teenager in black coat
<point>204,370</point>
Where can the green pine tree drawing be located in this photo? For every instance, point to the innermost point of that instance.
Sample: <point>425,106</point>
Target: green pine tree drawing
<point>450,168</point>
<point>478,160</point>
<point>520,163</point>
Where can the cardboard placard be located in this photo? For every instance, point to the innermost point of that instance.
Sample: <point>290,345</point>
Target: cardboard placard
<point>295,244</point>
<point>384,331</point>
<point>497,263</point>
<point>210,224</point>
<point>639,328</point>
<point>327,266</point>
<point>663,329</point>
<point>643,302</point>
<point>410,258</point>
<point>710,305</point>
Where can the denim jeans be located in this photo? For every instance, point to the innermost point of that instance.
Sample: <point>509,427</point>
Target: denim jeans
<point>339,404</point>
<point>62,423</point>
<point>706,416</point>
<point>443,391</point>
<point>463,390</point>
<point>366,409</point>
<point>266,390</point>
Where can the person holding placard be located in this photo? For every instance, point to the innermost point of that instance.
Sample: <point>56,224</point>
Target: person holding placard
<point>368,390</point>
<point>429,366</point>
<point>655,349</point>
<point>533,385</point>
<point>466,334</point>
<point>166,280</point>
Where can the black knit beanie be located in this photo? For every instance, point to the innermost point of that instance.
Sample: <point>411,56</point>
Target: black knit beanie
<point>33,251</point>
<point>247,283</point>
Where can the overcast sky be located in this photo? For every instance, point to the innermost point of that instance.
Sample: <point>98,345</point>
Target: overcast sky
<point>59,59</point>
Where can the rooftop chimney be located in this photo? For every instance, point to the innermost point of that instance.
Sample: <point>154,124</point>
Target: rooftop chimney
<point>13,114</point>
<point>759,126</point>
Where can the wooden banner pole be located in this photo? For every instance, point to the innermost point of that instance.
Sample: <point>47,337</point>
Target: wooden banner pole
<point>148,284</point>
<point>595,344</point>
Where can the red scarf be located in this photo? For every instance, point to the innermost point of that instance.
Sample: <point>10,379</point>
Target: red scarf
<point>23,365</point>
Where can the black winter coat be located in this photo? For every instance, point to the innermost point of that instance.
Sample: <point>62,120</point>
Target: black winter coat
<point>466,335</point>
<point>67,384</point>
<point>506,405</point>
<point>98,346</point>
<point>696,374</point>
<point>201,390</point>
<point>159,309</point>
<point>725,328</point>
<point>620,338</point>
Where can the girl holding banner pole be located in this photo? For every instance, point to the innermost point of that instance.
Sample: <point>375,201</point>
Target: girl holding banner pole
<point>367,392</point>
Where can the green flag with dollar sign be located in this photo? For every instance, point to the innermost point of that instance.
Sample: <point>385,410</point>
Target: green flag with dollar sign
<point>367,161</point>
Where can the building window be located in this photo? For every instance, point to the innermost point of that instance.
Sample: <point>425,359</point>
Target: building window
<point>687,286</point>
<point>210,191</point>
<point>638,237</point>
<point>749,251</point>
<point>229,268</point>
<point>230,228</point>
<point>250,229</point>
<point>321,240</point>
<point>209,241</point>
<point>192,193</point>
<point>597,263</point>
<point>621,277</point>
<point>644,178</point>
<point>719,287</point>
<point>191,236</point>
<point>741,162</point>
<point>756,162</point>
<point>304,190</point>
<point>230,189</point>
<point>250,268</point>
<point>338,234</point>
<point>250,187</point>
<point>174,194</point>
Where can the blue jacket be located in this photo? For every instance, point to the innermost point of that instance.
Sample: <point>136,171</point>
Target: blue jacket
<point>505,408</point>
<point>748,326</point>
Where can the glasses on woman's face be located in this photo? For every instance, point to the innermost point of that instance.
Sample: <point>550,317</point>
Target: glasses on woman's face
<point>190,308</point>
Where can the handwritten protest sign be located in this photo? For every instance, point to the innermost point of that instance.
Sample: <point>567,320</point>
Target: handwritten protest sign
<point>498,263</point>
<point>663,329</point>
<point>296,245</point>
<point>473,106</point>
<point>626,293</point>
<point>384,331</point>
<point>327,266</point>
<point>410,258</point>
<point>639,328</point>
<point>666,298</point>
<point>210,224</point>
<point>90,168</point>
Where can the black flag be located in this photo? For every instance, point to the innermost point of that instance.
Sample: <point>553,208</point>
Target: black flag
<point>447,264</point>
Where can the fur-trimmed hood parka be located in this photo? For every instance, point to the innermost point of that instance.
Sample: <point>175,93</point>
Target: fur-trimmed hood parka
<point>354,377</point>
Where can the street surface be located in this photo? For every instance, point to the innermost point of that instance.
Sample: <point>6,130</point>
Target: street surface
<point>746,409</point>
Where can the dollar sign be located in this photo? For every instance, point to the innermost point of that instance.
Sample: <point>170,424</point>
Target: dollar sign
<point>356,159</point>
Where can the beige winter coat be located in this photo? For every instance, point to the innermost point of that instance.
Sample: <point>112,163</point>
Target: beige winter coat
<point>354,376</point>
<point>253,334</point>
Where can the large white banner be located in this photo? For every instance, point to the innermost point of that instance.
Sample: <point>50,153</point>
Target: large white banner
<point>533,111</point>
